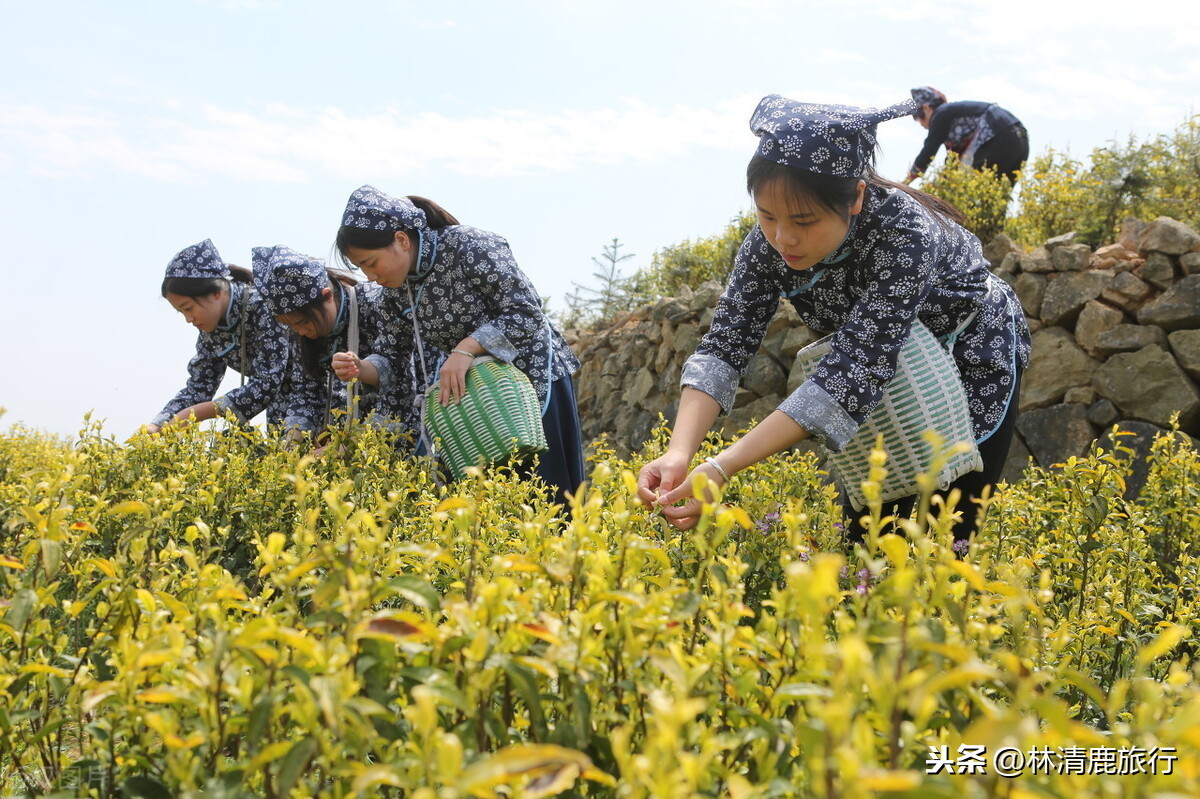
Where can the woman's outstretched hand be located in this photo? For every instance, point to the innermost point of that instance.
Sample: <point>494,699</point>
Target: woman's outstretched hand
<point>660,476</point>
<point>665,481</point>
<point>685,516</point>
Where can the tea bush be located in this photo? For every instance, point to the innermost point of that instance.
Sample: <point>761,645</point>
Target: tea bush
<point>981,195</point>
<point>211,614</point>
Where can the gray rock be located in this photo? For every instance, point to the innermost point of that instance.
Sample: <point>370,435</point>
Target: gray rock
<point>1065,239</point>
<point>1131,230</point>
<point>1037,261</point>
<point>1168,236</point>
<point>705,296</point>
<point>685,340</point>
<point>1103,413</point>
<point>797,338</point>
<point>1030,289</point>
<point>668,380</point>
<point>1011,265</point>
<point>640,387</point>
<point>1158,270</point>
<point>1127,292</point>
<point>1056,365</point>
<point>665,354</point>
<point>1176,308</point>
<point>1070,257</point>
<point>773,343</point>
<point>1056,433</point>
<point>1017,461</point>
<point>1067,293</point>
<point>1128,338</point>
<point>1189,262</point>
<point>671,308</point>
<point>1095,319</point>
<point>764,376</point>
<point>741,419</point>
<point>1149,385</point>
<point>1081,395</point>
<point>999,248</point>
<point>1186,346</point>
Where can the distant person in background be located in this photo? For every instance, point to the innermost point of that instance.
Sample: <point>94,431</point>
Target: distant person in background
<point>326,308</point>
<point>984,135</point>
<point>236,331</point>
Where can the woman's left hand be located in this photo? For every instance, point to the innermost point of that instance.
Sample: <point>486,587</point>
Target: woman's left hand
<point>452,379</point>
<point>687,515</point>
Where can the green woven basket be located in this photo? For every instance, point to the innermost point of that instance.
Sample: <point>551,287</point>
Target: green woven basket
<point>926,394</point>
<point>499,418</point>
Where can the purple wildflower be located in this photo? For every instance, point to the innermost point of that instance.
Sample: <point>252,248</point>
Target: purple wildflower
<point>844,573</point>
<point>961,547</point>
<point>864,575</point>
<point>767,522</point>
<point>861,588</point>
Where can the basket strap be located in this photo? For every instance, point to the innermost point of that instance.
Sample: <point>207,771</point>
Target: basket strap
<point>422,397</point>
<point>242,329</point>
<point>352,345</point>
<point>549,364</point>
<point>949,339</point>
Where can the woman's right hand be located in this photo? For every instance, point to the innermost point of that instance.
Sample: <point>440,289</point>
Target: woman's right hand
<point>662,475</point>
<point>452,380</point>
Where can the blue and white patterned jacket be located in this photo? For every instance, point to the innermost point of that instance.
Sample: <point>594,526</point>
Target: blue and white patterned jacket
<point>384,339</point>
<point>898,263</point>
<point>475,288</point>
<point>267,363</point>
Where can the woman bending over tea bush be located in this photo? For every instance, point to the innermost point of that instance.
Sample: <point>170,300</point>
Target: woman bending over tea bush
<point>326,308</point>
<point>467,297</point>
<point>863,259</point>
<point>236,331</point>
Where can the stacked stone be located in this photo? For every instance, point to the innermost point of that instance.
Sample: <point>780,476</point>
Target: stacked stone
<point>1116,339</point>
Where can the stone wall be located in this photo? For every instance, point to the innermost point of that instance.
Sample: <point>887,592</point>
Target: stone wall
<point>1116,339</point>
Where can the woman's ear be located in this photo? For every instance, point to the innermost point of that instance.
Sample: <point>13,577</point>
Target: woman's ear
<point>860,196</point>
<point>403,240</point>
<point>326,293</point>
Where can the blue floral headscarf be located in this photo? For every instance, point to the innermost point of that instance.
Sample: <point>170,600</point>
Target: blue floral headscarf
<point>287,280</point>
<point>199,260</point>
<point>370,208</point>
<point>837,140</point>
<point>926,95</point>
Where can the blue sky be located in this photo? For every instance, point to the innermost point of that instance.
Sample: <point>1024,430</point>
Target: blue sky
<point>129,130</point>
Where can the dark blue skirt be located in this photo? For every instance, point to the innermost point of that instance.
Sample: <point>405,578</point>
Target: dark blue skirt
<point>561,467</point>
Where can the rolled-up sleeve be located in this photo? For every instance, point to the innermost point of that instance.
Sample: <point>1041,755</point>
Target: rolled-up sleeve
<point>813,409</point>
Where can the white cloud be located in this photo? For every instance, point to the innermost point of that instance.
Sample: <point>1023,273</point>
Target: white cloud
<point>279,143</point>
